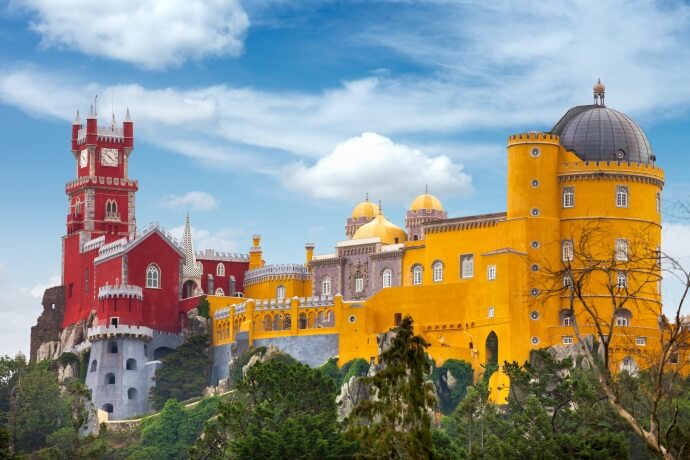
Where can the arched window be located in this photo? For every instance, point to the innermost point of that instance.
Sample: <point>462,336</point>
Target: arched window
<point>658,202</point>
<point>220,291</point>
<point>417,275</point>
<point>568,197</point>
<point>278,323</point>
<point>287,323</point>
<point>466,266</point>
<point>267,323</point>
<point>567,281</point>
<point>437,269</point>
<point>621,196</point>
<point>326,285</point>
<point>131,364</point>
<point>153,276</point>
<point>621,249</point>
<point>110,209</point>
<point>220,269</point>
<point>387,278</point>
<point>112,347</point>
<point>110,378</point>
<point>491,349</point>
<point>302,321</point>
<point>330,318</point>
<point>280,292</point>
<point>623,317</point>
<point>622,280</point>
<point>94,365</point>
<point>566,317</point>
<point>568,250</point>
<point>132,393</point>
<point>77,206</point>
<point>108,408</point>
<point>311,320</point>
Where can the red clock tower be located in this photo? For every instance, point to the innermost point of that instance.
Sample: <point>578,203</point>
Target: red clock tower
<point>101,206</point>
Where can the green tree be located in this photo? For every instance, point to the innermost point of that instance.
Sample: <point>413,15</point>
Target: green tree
<point>10,370</point>
<point>397,423</point>
<point>38,408</point>
<point>184,373</point>
<point>281,409</point>
<point>452,380</point>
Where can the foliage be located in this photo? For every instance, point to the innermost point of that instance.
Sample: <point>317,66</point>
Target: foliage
<point>10,370</point>
<point>67,358</point>
<point>396,424</point>
<point>462,373</point>
<point>203,309</point>
<point>84,359</point>
<point>5,452</point>
<point>38,408</point>
<point>357,367</point>
<point>241,361</point>
<point>281,409</point>
<point>171,433</point>
<point>184,373</point>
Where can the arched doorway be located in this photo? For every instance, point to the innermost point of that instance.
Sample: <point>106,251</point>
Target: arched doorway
<point>188,289</point>
<point>491,351</point>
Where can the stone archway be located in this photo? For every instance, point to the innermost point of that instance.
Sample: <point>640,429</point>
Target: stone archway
<point>188,289</point>
<point>491,350</point>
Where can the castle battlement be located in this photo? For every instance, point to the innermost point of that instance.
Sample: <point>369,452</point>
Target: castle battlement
<point>104,133</point>
<point>95,243</point>
<point>121,330</point>
<point>276,271</point>
<point>129,291</point>
<point>533,137</point>
<point>100,180</point>
<point>210,254</point>
<point>627,166</point>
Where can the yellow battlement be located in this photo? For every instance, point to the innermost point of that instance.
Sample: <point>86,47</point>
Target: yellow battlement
<point>612,166</point>
<point>533,137</point>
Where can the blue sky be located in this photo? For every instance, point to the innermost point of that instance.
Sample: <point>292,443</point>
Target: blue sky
<point>275,117</point>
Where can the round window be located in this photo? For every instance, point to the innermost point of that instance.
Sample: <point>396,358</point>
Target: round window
<point>535,183</point>
<point>535,152</point>
<point>534,292</point>
<point>535,212</point>
<point>534,314</point>
<point>535,340</point>
<point>535,267</point>
<point>535,244</point>
<point>352,319</point>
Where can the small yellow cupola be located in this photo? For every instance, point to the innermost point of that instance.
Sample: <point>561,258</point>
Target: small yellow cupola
<point>366,209</point>
<point>426,201</point>
<point>382,228</point>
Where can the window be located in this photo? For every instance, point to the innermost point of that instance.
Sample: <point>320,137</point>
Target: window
<point>417,275</point>
<point>77,206</point>
<point>467,266</point>
<point>280,292</point>
<point>220,291</point>
<point>491,272</point>
<point>153,276</point>
<point>302,322</point>
<point>220,269</point>
<point>622,280</point>
<point>567,281</point>
<point>568,197</point>
<point>437,269</point>
<point>397,319</point>
<point>534,315</point>
<point>132,393</point>
<point>535,152</point>
<point>326,285</point>
<point>112,347</point>
<point>641,341</point>
<point>110,378</point>
<point>359,284</point>
<point>623,318</point>
<point>94,365</point>
<point>535,212</point>
<point>658,201</point>
<point>387,278</point>
<point>567,340</point>
<point>566,318</point>
<point>131,364</point>
<point>491,312</point>
<point>568,250</point>
<point>621,196</point>
<point>621,249</point>
<point>535,183</point>
<point>108,408</point>
<point>110,209</point>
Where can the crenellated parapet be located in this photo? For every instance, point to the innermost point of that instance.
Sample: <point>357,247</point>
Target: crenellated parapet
<point>276,272</point>
<point>210,254</point>
<point>122,330</point>
<point>95,243</point>
<point>611,170</point>
<point>466,223</point>
<point>534,137</point>
<point>90,181</point>
<point>103,133</point>
<point>128,291</point>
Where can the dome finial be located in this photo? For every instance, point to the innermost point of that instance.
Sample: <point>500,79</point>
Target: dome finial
<point>599,89</point>
<point>366,197</point>
<point>380,208</point>
<point>426,189</point>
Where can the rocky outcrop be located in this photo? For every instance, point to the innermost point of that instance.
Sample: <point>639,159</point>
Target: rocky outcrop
<point>351,393</point>
<point>196,324</point>
<point>576,352</point>
<point>45,335</point>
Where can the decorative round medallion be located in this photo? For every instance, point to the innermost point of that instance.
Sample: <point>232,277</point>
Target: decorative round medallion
<point>534,212</point>
<point>535,152</point>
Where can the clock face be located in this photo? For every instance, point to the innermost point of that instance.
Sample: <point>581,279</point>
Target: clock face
<point>109,157</point>
<point>84,158</point>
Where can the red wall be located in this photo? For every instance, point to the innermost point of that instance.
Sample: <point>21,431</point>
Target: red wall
<point>235,269</point>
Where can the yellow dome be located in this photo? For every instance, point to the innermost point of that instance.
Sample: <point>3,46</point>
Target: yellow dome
<point>382,228</point>
<point>426,201</point>
<point>365,209</point>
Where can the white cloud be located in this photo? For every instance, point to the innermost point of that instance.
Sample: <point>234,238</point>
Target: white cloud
<point>150,34</point>
<point>675,237</point>
<point>223,239</point>
<point>196,200</point>
<point>374,163</point>
<point>37,290</point>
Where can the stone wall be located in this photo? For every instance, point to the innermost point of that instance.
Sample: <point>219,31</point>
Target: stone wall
<point>46,332</point>
<point>313,350</point>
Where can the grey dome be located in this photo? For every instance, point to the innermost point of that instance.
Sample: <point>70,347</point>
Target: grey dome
<point>597,133</point>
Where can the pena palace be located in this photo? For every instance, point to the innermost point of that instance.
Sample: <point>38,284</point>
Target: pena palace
<point>474,285</point>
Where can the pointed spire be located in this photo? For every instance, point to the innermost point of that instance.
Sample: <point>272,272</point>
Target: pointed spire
<point>127,117</point>
<point>112,123</point>
<point>190,269</point>
<point>426,189</point>
<point>366,197</point>
<point>77,119</point>
<point>92,114</point>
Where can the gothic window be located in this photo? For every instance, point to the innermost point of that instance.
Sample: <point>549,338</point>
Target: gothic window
<point>278,323</point>
<point>267,323</point>
<point>153,276</point>
<point>568,250</point>
<point>621,249</point>
<point>437,271</point>
<point>219,291</point>
<point>492,312</point>
<point>302,321</point>
<point>621,196</point>
<point>568,197</point>
<point>359,283</point>
<point>417,275</point>
<point>220,269</point>
<point>77,207</point>
<point>110,208</point>
<point>287,323</point>
<point>623,317</point>
<point>330,318</point>
<point>319,319</point>
<point>622,280</point>
<point>387,278</point>
<point>467,266</point>
<point>280,292</point>
<point>491,272</point>
<point>326,285</point>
